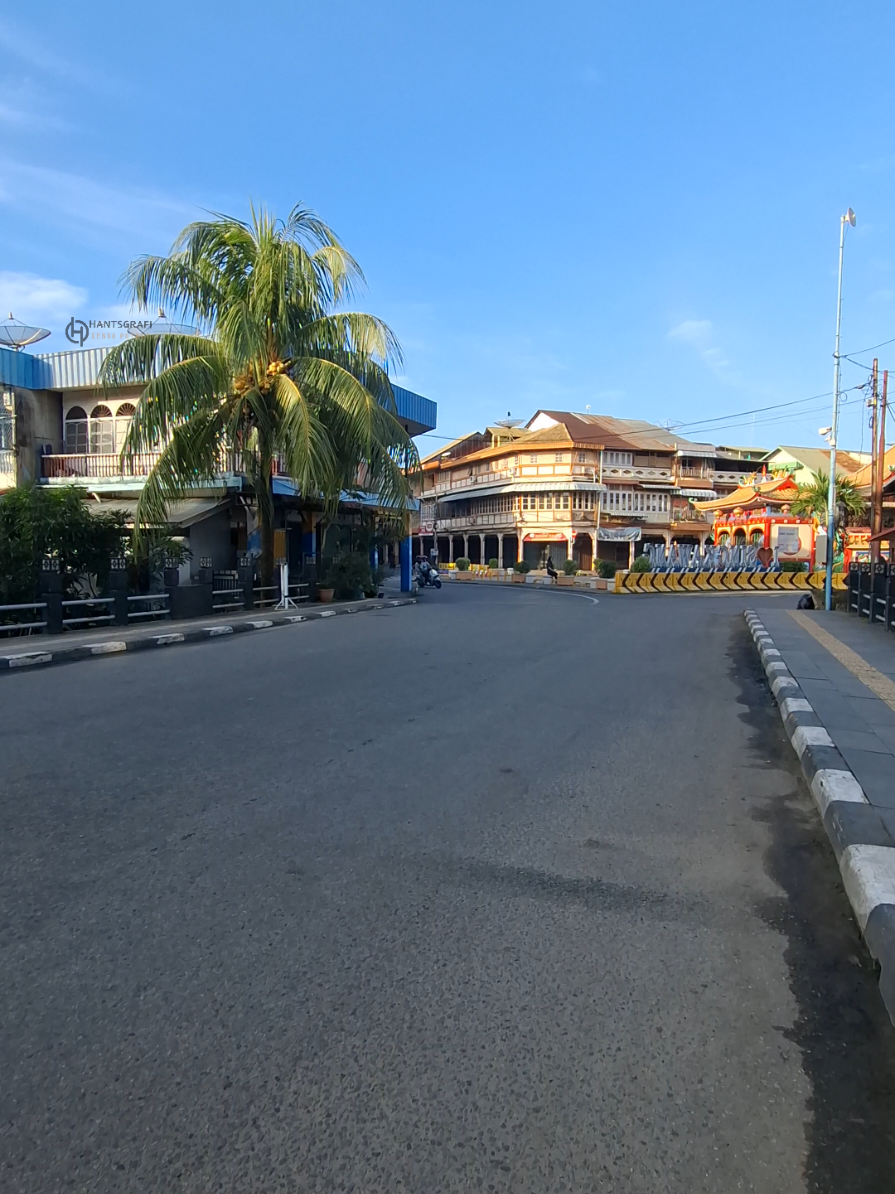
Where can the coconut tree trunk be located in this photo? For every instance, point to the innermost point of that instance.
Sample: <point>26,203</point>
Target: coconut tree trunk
<point>265,518</point>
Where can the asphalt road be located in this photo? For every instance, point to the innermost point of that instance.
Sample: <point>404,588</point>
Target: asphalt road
<point>507,891</point>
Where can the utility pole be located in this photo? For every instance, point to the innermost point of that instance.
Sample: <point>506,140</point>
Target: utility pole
<point>876,522</point>
<point>875,464</point>
<point>598,497</point>
<point>848,218</point>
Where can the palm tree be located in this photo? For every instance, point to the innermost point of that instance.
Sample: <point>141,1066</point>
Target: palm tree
<point>275,371</point>
<point>812,497</point>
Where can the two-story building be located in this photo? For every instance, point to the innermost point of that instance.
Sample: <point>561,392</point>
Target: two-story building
<point>59,427</point>
<point>570,486</point>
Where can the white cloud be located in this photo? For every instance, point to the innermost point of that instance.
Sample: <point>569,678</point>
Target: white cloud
<point>694,331</point>
<point>700,334</point>
<point>75,200</point>
<point>31,298</point>
<point>30,47</point>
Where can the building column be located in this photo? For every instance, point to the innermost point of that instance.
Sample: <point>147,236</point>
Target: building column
<point>451,549</point>
<point>466,546</point>
<point>571,550</point>
<point>405,553</point>
<point>482,549</point>
<point>594,561</point>
<point>631,555</point>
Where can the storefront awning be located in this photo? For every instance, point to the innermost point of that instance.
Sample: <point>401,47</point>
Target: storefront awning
<point>523,485</point>
<point>182,514</point>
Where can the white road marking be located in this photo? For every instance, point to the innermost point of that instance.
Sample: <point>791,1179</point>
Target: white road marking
<point>105,648</point>
<point>162,639</point>
<point>27,660</point>
<point>795,705</point>
<point>211,631</point>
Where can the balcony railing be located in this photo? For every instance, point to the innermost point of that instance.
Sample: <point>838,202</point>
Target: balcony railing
<point>98,466</point>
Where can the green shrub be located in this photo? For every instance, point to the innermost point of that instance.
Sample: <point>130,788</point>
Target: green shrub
<point>642,564</point>
<point>494,562</point>
<point>522,566</point>
<point>606,569</point>
<point>463,564</point>
<point>348,575</point>
<point>37,521</point>
<point>569,567</point>
<point>793,566</point>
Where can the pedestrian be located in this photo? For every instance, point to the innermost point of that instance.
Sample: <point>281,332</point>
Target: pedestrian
<point>551,571</point>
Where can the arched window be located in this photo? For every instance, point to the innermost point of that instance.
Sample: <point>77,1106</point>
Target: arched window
<point>739,538</point>
<point>757,538</point>
<point>76,431</point>
<point>723,539</point>
<point>102,430</point>
<point>123,416</point>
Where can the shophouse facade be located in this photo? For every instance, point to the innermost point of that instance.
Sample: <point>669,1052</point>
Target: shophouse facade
<point>571,486</point>
<point>58,426</point>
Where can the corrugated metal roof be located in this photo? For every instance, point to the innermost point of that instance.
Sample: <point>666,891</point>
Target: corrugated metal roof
<point>24,370</point>
<point>78,367</point>
<point>416,410</point>
<point>180,514</point>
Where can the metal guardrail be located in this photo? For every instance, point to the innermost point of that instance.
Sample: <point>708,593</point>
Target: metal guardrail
<point>274,597</point>
<point>871,591</point>
<point>162,612</point>
<point>15,627</point>
<point>85,601</point>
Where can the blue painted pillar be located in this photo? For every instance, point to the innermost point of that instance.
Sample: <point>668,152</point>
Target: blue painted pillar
<point>405,552</point>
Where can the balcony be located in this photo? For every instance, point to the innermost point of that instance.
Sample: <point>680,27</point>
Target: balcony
<point>106,470</point>
<point>96,466</point>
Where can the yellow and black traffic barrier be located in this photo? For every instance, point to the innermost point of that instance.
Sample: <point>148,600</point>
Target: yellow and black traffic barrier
<point>722,582</point>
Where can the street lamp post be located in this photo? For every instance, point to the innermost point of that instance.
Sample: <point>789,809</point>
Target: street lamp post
<point>598,496</point>
<point>848,218</point>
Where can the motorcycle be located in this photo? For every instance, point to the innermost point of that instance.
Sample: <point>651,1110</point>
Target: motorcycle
<point>427,574</point>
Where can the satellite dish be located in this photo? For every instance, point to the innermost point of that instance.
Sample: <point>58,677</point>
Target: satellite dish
<point>508,423</point>
<point>14,334</point>
<point>850,216</point>
<point>162,326</point>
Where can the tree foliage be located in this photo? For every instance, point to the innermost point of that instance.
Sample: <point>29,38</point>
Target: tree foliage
<point>813,494</point>
<point>38,521</point>
<point>277,371</point>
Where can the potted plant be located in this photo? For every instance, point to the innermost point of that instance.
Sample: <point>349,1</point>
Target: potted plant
<point>569,569</point>
<point>463,572</point>
<point>494,566</point>
<point>520,570</point>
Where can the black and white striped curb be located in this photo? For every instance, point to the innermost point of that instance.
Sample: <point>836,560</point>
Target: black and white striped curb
<point>861,842</point>
<point>62,654</point>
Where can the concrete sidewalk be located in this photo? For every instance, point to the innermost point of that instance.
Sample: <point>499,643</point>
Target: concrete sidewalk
<point>846,669</point>
<point>833,677</point>
<point>43,650</point>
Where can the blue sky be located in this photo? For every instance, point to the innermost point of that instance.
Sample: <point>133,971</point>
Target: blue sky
<point>633,207</point>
